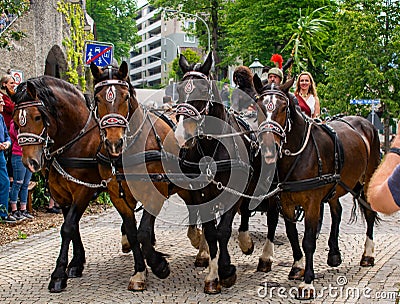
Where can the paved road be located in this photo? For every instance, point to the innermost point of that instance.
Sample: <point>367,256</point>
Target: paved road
<point>26,266</point>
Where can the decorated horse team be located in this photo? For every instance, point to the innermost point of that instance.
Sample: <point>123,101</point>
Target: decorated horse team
<point>205,153</point>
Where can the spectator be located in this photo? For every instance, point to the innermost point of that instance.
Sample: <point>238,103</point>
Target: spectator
<point>3,21</point>
<point>306,94</point>
<point>53,207</point>
<point>5,143</point>
<point>384,187</point>
<point>225,94</point>
<point>22,177</point>
<point>7,82</point>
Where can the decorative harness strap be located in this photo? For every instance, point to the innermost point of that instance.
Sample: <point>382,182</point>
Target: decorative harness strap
<point>113,119</point>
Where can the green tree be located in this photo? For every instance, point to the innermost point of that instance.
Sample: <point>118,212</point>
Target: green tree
<point>261,28</point>
<point>191,57</point>
<point>15,7</point>
<point>364,58</point>
<point>115,23</point>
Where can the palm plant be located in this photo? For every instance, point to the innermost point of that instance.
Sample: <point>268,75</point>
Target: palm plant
<point>310,33</point>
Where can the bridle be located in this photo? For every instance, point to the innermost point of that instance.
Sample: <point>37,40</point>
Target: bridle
<point>187,110</point>
<point>112,119</point>
<point>269,125</point>
<point>27,138</point>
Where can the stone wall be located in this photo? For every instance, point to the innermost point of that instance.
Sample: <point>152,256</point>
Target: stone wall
<point>44,27</point>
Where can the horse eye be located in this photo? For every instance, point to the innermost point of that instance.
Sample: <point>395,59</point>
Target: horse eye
<point>37,118</point>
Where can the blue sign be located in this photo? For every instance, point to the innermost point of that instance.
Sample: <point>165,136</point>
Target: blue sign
<point>364,101</point>
<point>100,53</point>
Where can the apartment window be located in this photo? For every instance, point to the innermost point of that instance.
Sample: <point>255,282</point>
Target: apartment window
<point>190,38</point>
<point>165,54</point>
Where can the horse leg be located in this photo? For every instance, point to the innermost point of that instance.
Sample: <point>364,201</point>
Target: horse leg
<point>58,281</point>
<point>158,264</point>
<point>194,234</point>
<point>245,242</point>
<point>297,270</point>
<point>137,282</point>
<point>334,257</point>
<point>211,283</point>
<point>76,266</point>
<point>203,256</point>
<point>321,218</point>
<point>368,257</point>
<point>126,247</point>
<point>267,257</point>
<point>226,271</point>
<point>306,289</point>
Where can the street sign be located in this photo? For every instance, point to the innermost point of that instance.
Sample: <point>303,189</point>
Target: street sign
<point>100,53</point>
<point>18,76</point>
<point>364,101</point>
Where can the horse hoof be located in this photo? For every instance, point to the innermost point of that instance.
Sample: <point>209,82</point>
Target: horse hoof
<point>367,261</point>
<point>137,286</point>
<point>201,262</point>
<point>162,271</point>
<point>57,285</point>
<point>296,273</point>
<point>75,271</point>
<point>230,281</point>
<point>212,287</point>
<point>305,293</point>
<point>126,248</point>
<point>249,250</point>
<point>264,266</point>
<point>334,260</point>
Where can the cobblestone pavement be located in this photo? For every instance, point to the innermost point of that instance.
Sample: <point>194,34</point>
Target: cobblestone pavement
<point>26,266</point>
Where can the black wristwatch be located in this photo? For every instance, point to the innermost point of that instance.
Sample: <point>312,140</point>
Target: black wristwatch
<point>395,150</point>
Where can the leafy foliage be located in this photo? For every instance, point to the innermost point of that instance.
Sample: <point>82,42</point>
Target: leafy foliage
<point>17,8</point>
<point>260,29</point>
<point>191,56</point>
<point>311,33</point>
<point>363,61</point>
<point>75,41</point>
<point>115,23</point>
<point>40,196</point>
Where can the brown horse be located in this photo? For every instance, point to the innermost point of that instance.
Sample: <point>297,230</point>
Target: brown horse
<point>136,144</point>
<point>216,143</point>
<point>316,163</point>
<point>59,136</point>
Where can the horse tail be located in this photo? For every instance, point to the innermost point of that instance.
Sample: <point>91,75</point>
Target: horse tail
<point>360,201</point>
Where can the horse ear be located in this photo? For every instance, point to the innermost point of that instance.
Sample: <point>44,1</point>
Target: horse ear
<point>123,70</point>
<point>206,66</point>
<point>287,85</point>
<point>183,63</point>
<point>257,83</point>
<point>288,64</point>
<point>96,71</point>
<point>31,90</point>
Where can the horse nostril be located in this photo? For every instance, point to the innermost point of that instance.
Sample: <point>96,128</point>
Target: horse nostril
<point>34,164</point>
<point>120,143</point>
<point>107,143</point>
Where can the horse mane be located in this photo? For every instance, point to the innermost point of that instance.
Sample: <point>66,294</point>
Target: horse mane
<point>43,86</point>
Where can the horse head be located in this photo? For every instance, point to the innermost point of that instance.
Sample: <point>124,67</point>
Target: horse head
<point>275,106</point>
<point>198,99</point>
<point>31,119</point>
<point>115,103</point>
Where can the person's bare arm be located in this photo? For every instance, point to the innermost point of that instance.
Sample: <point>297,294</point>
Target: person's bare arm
<point>317,109</point>
<point>379,194</point>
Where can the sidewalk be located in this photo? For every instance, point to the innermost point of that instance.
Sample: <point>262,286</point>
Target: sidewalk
<point>26,266</point>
